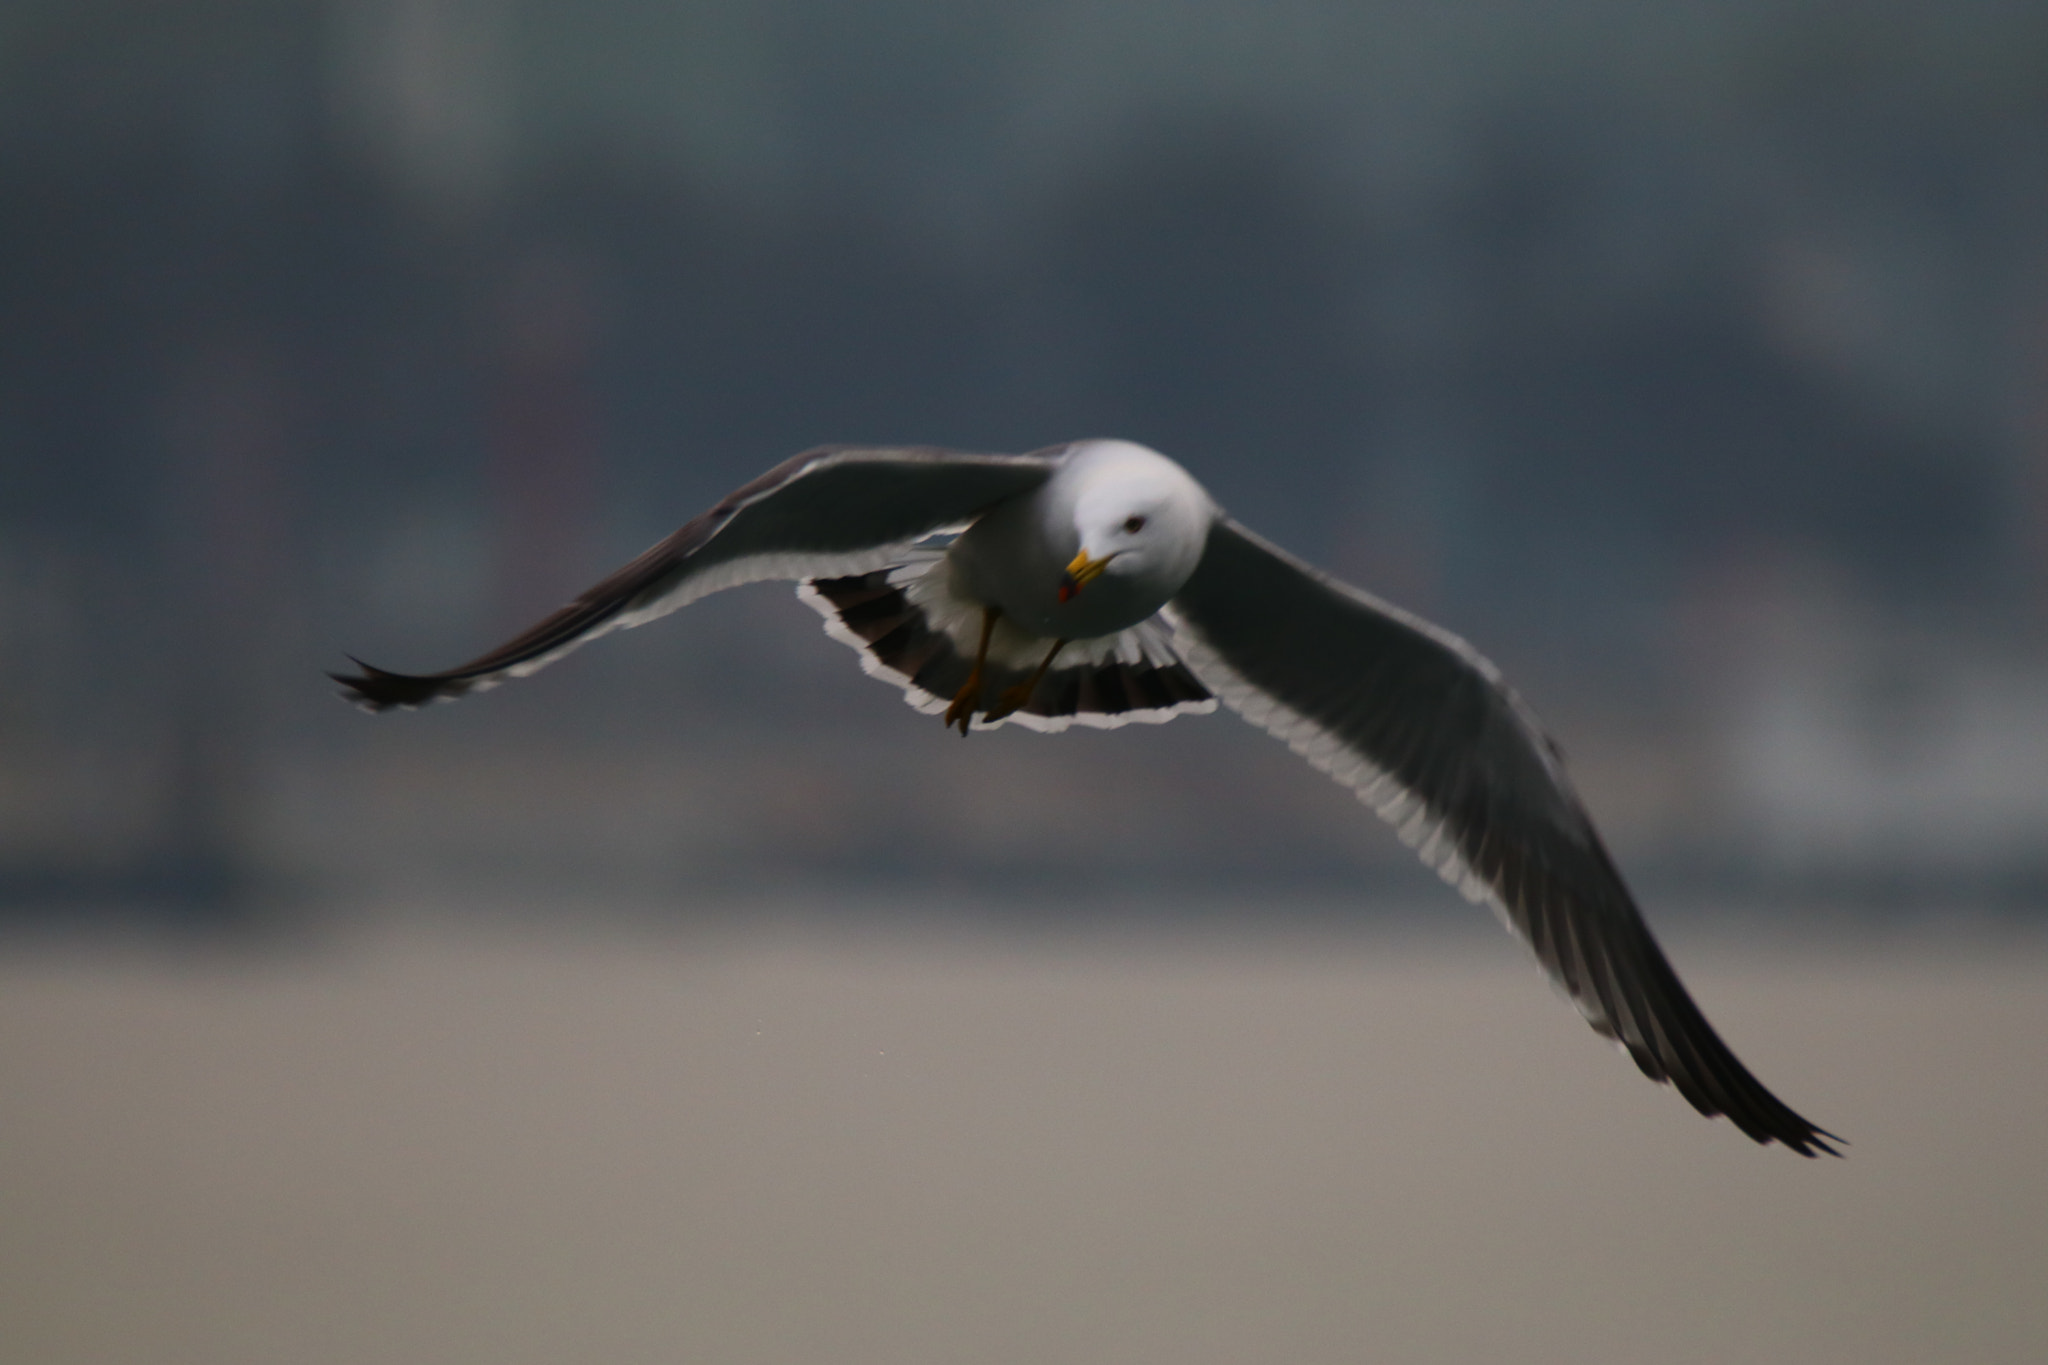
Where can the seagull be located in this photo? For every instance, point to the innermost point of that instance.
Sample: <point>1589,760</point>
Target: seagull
<point>1097,583</point>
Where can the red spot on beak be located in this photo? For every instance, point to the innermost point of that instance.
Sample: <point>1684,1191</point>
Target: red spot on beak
<point>1068,587</point>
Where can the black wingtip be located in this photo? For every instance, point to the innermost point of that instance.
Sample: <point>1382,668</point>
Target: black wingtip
<point>1816,1142</point>
<point>1771,1121</point>
<point>374,689</point>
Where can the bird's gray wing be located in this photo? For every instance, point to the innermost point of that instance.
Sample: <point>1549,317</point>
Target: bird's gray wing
<point>1424,730</point>
<point>829,512</point>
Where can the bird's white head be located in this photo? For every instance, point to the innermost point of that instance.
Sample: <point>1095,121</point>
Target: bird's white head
<point>1139,517</point>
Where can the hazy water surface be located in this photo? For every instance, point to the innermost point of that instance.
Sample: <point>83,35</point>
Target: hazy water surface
<point>795,1146</point>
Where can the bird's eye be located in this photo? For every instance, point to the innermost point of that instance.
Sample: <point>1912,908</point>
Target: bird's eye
<point>1133,525</point>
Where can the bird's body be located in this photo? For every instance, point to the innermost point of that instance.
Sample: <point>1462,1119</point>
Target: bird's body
<point>1097,583</point>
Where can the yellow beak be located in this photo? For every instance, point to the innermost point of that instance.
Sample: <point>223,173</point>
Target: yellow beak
<point>1081,572</point>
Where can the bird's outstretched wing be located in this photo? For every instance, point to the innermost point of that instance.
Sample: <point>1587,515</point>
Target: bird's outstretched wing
<point>829,512</point>
<point>1423,729</point>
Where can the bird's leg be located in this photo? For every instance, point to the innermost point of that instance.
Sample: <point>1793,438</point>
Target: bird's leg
<point>961,712</point>
<point>1014,698</point>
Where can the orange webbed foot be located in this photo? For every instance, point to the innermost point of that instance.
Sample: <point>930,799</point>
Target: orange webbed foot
<point>961,712</point>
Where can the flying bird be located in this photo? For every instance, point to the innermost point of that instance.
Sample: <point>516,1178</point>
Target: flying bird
<point>1097,583</point>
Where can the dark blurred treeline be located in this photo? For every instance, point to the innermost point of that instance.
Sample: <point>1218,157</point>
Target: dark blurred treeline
<point>1689,361</point>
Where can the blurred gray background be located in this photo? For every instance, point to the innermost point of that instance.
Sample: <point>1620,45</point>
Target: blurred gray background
<point>696,999</point>
<point>1688,359</point>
